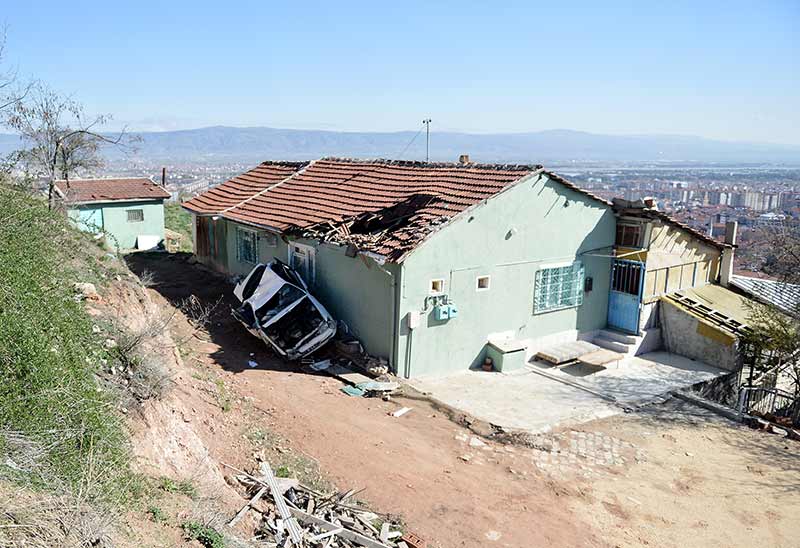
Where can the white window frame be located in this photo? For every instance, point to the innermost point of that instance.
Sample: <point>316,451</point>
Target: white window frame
<point>128,215</point>
<point>240,232</point>
<point>311,257</point>
<point>576,290</point>
<point>641,227</point>
<point>488,279</point>
<point>433,291</point>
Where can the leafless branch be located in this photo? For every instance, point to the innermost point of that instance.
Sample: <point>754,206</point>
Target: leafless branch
<point>59,140</point>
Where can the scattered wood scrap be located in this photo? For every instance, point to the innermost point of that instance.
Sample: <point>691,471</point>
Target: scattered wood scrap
<point>297,516</point>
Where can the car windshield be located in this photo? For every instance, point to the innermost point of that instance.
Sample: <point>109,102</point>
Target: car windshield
<point>284,297</point>
<point>252,281</point>
<point>285,273</point>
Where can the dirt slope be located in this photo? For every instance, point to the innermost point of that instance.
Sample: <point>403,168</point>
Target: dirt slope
<point>668,476</point>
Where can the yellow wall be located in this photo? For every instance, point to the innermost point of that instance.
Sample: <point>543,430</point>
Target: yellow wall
<point>671,259</point>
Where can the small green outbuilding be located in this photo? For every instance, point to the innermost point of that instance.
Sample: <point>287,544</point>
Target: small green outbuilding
<point>128,211</point>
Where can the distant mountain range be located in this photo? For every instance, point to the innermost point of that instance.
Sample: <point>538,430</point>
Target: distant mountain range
<point>254,144</point>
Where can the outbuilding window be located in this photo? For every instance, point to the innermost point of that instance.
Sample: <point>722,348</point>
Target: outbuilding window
<point>246,246</point>
<point>629,235</point>
<point>558,287</point>
<point>482,283</point>
<point>135,215</point>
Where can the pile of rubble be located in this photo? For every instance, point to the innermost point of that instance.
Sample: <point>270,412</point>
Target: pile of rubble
<point>294,515</point>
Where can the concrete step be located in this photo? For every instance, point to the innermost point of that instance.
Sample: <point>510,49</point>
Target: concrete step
<point>616,346</point>
<point>618,336</point>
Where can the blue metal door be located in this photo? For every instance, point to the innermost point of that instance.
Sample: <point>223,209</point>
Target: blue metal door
<point>627,281</point>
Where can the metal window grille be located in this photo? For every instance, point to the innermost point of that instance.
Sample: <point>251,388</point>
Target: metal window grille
<point>559,287</point>
<point>135,215</point>
<point>246,246</point>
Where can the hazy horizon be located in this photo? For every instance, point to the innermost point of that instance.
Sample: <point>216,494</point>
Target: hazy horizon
<point>619,68</point>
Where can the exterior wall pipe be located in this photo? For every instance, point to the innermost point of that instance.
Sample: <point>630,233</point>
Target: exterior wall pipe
<point>726,268</point>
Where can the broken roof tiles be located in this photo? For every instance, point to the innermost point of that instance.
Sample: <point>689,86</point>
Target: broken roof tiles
<point>382,206</point>
<point>78,191</point>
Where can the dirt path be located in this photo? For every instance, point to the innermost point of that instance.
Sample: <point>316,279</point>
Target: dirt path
<point>703,481</point>
<point>618,482</point>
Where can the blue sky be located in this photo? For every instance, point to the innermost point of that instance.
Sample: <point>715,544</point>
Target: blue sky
<point>727,70</point>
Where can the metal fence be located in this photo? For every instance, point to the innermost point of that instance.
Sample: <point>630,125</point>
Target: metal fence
<point>771,403</point>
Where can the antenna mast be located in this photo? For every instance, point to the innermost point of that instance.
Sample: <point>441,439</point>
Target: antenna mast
<point>427,122</point>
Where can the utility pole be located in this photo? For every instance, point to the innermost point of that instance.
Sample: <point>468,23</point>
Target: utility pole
<point>427,122</point>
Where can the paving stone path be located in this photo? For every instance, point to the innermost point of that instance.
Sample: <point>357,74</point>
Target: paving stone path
<point>584,453</point>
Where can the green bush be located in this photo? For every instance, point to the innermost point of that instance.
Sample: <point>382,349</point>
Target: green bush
<point>157,514</point>
<point>204,534</point>
<point>57,427</point>
<point>184,487</point>
<point>179,220</point>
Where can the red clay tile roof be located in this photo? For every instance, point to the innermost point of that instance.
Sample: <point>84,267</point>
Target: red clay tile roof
<point>108,190</point>
<point>241,187</point>
<point>382,206</point>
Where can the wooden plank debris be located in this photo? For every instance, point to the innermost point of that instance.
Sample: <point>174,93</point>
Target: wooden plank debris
<point>400,412</point>
<point>240,514</point>
<point>300,516</point>
<point>352,536</point>
<point>295,533</point>
<point>347,375</point>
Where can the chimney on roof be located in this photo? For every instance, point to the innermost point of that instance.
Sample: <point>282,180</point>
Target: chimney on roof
<point>164,177</point>
<point>726,268</point>
<point>463,159</point>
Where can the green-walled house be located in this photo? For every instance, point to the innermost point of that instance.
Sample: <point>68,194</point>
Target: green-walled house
<point>430,265</point>
<point>128,211</point>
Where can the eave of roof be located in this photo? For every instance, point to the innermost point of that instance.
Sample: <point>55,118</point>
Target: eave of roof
<point>109,189</point>
<point>333,191</point>
<point>666,218</point>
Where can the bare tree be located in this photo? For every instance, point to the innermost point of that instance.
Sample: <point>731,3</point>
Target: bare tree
<point>775,330</point>
<point>8,95</point>
<point>58,138</point>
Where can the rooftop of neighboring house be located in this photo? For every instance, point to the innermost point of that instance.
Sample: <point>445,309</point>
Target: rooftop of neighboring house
<point>82,191</point>
<point>386,207</point>
<point>784,296</point>
<point>715,304</point>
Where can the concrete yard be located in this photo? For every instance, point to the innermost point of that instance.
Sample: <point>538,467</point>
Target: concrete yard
<point>529,400</point>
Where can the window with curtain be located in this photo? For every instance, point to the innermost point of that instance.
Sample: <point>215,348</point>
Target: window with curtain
<point>246,246</point>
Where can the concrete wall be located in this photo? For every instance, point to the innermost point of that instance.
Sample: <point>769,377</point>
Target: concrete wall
<point>88,218</point>
<point>355,290</point>
<point>266,251</point>
<point>508,237</point>
<point>113,219</point>
<point>686,335</point>
<point>677,260</point>
<point>360,292</point>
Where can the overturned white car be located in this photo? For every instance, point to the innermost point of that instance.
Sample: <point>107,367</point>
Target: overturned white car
<point>277,307</point>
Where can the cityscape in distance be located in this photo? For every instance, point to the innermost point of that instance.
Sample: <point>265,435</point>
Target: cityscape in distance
<point>697,180</point>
